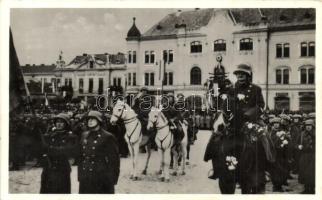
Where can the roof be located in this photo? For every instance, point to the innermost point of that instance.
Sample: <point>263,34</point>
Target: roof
<point>169,25</point>
<point>134,33</point>
<point>195,19</point>
<point>36,69</point>
<point>97,59</point>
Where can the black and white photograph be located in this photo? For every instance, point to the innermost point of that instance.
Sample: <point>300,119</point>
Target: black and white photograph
<point>162,100</point>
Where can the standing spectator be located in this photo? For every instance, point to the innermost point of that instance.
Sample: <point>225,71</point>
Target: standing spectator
<point>58,143</point>
<point>99,164</point>
<point>306,145</point>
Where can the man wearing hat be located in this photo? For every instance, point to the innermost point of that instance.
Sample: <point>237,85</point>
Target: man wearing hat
<point>306,144</point>
<point>295,131</point>
<point>279,169</point>
<point>99,162</point>
<point>59,144</point>
<point>249,101</point>
<point>142,105</point>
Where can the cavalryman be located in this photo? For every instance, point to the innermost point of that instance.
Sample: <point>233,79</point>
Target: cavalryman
<point>173,116</point>
<point>59,144</point>
<point>99,164</point>
<point>306,144</point>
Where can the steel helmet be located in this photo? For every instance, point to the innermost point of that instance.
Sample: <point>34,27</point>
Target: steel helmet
<point>95,114</point>
<point>64,117</point>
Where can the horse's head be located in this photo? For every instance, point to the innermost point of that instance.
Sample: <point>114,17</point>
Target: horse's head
<point>153,117</point>
<point>221,121</point>
<point>118,111</point>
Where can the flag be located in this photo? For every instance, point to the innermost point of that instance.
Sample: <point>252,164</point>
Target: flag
<point>17,86</point>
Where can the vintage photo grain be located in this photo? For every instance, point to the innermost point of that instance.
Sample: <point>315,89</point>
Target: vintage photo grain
<point>162,101</point>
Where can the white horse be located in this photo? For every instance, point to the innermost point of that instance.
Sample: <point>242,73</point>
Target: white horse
<point>133,135</point>
<point>165,141</point>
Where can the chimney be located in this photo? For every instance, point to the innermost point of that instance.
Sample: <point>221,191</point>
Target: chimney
<point>178,13</point>
<point>197,9</point>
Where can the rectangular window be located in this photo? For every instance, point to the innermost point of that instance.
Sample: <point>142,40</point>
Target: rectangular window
<point>165,79</point>
<point>152,57</point>
<point>134,56</point>
<point>66,81</point>
<point>146,79</point>
<point>146,57</point>
<point>119,82</point>
<point>220,45</point>
<point>196,47</point>
<point>246,44</point>
<point>312,49</point>
<point>129,59</point>
<point>170,78</point>
<point>303,76</point>
<point>134,79</point>
<point>70,82</point>
<point>303,49</point>
<point>114,81</point>
<point>58,82</point>
<point>81,86</point>
<point>170,56</point>
<point>285,76</point>
<point>278,50</point>
<point>91,64</point>
<point>129,82</point>
<point>90,85</point>
<point>165,55</point>
<point>311,76</point>
<point>278,76</point>
<point>286,49</point>
<point>151,78</point>
<point>100,85</point>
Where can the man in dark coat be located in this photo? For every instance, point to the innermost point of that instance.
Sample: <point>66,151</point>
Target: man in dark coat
<point>99,163</point>
<point>306,144</point>
<point>59,144</point>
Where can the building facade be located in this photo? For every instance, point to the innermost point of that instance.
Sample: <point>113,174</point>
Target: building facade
<point>181,49</point>
<point>87,75</point>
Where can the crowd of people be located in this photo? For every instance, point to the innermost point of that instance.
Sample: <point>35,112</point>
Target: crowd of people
<point>87,136</point>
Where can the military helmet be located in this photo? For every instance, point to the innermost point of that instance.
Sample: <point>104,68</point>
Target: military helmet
<point>95,114</point>
<point>143,89</point>
<point>309,122</point>
<point>271,116</point>
<point>170,94</point>
<point>311,115</point>
<point>297,116</point>
<point>275,120</point>
<point>64,117</point>
<point>243,68</point>
<point>180,95</point>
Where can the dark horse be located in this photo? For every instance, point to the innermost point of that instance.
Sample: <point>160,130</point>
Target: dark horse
<point>239,156</point>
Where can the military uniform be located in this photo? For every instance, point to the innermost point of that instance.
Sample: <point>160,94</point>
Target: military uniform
<point>58,147</point>
<point>279,169</point>
<point>99,163</point>
<point>306,144</point>
<point>295,131</point>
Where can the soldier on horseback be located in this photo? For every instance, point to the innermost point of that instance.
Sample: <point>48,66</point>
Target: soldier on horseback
<point>174,117</point>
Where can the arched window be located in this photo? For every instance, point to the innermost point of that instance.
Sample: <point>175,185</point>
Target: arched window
<point>195,76</point>
<point>220,45</point>
<point>246,44</point>
<point>195,47</point>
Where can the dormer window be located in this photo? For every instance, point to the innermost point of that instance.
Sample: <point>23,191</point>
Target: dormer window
<point>91,64</point>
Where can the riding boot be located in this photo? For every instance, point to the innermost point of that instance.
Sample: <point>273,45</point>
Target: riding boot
<point>214,174</point>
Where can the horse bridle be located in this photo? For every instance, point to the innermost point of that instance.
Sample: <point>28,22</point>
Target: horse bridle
<point>154,123</point>
<point>126,121</point>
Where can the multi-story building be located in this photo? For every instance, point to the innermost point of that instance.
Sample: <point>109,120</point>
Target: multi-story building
<point>86,75</point>
<point>278,43</point>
